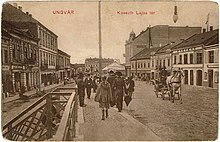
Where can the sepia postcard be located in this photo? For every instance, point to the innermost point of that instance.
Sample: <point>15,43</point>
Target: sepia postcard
<point>109,70</point>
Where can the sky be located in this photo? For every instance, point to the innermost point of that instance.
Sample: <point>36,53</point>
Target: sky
<point>78,32</point>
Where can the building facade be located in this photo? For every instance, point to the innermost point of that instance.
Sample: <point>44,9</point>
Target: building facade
<point>19,58</point>
<point>92,64</point>
<point>156,36</point>
<point>63,65</point>
<point>197,56</point>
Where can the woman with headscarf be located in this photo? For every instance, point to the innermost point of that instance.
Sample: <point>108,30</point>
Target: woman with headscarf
<point>104,97</point>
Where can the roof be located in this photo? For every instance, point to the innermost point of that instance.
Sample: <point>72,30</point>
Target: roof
<point>145,53</point>
<point>115,67</point>
<point>97,59</point>
<point>10,29</point>
<point>213,40</point>
<point>167,48</point>
<point>197,39</point>
<point>11,13</point>
<point>62,53</point>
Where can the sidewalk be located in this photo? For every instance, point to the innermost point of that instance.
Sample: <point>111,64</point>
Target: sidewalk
<point>30,93</point>
<point>118,127</point>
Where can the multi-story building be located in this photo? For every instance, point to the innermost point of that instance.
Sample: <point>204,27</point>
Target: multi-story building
<point>77,68</point>
<point>92,64</point>
<point>19,58</point>
<point>141,62</point>
<point>48,40</point>
<point>198,56</point>
<point>156,36</point>
<point>63,65</point>
<point>211,62</point>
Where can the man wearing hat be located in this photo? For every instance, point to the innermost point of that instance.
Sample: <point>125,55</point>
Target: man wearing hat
<point>119,90</point>
<point>81,89</point>
<point>111,81</point>
<point>89,85</point>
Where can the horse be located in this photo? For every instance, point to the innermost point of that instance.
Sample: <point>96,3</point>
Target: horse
<point>174,85</point>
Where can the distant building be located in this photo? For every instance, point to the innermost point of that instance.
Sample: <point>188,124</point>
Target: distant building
<point>198,57</point>
<point>77,68</point>
<point>92,64</point>
<point>63,65</point>
<point>141,63</point>
<point>156,36</point>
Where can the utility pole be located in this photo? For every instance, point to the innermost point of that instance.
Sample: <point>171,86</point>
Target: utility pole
<point>100,39</point>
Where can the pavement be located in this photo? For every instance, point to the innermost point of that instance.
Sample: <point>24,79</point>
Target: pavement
<point>119,126</point>
<point>29,93</point>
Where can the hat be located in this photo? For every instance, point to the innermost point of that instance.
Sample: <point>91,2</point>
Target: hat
<point>118,73</point>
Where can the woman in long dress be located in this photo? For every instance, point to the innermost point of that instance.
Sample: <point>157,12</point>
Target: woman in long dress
<point>104,97</point>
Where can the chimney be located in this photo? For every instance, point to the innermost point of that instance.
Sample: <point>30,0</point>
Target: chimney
<point>211,28</point>
<point>203,30</point>
<point>15,5</point>
<point>20,8</point>
<point>27,13</point>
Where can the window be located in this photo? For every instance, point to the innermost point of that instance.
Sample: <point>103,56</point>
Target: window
<point>205,75</point>
<point>148,65</point>
<point>216,77</point>
<point>211,56</point>
<point>152,63</point>
<point>191,58</point>
<point>164,62</point>
<point>5,56</point>
<point>191,77</point>
<point>144,65</point>
<point>180,60</point>
<point>185,58</point>
<point>199,58</point>
<point>174,59</point>
<point>168,62</point>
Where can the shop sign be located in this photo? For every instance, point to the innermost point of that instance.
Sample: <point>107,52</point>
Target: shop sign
<point>17,67</point>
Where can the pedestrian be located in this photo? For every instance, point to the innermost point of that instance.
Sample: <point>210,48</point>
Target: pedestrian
<point>21,93</point>
<point>119,88</point>
<point>95,84</point>
<point>130,86</point>
<point>88,85</point>
<point>81,90</point>
<point>103,96</point>
<point>111,80</point>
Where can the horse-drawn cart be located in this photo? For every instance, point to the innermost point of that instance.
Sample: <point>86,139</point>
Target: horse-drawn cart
<point>160,88</point>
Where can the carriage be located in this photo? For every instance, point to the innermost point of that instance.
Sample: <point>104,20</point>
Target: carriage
<point>160,88</point>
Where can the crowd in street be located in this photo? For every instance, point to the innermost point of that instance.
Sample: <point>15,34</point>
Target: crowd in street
<point>110,90</point>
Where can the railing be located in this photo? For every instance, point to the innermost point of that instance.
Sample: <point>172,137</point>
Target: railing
<point>42,119</point>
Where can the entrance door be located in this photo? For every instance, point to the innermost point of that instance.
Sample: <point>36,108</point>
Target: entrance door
<point>210,78</point>
<point>199,78</point>
<point>186,76</point>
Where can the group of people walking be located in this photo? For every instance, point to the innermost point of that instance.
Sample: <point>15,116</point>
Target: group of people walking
<point>109,90</point>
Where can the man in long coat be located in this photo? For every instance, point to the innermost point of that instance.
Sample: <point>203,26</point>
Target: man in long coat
<point>119,90</point>
<point>111,81</point>
<point>81,90</point>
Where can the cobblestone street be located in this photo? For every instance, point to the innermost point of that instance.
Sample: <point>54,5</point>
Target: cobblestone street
<point>195,119</point>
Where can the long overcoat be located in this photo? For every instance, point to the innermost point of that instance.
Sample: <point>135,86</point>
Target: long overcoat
<point>104,95</point>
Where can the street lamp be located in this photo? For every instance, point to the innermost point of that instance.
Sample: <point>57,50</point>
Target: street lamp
<point>175,16</point>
